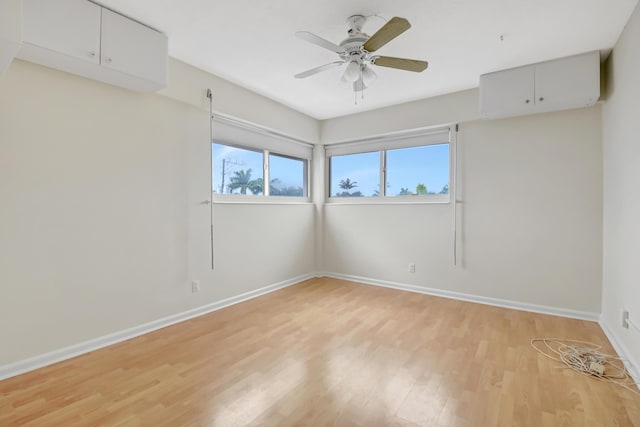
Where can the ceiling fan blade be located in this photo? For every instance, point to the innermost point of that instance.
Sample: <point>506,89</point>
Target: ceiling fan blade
<point>400,63</point>
<point>317,40</point>
<point>388,32</point>
<point>316,70</point>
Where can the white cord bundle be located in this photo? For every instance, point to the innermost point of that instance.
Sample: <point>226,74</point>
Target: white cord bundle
<point>587,359</point>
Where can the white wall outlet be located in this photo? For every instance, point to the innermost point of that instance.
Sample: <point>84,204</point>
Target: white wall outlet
<point>625,319</point>
<point>195,286</point>
<point>412,268</point>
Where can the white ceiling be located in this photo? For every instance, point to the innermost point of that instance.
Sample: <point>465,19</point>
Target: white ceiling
<point>252,42</point>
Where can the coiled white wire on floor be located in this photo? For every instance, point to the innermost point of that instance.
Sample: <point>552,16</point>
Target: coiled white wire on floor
<point>580,358</point>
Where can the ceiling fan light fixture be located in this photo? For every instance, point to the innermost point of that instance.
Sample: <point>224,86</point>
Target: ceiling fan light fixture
<point>359,85</point>
<point>368,76</point>
<point>352,73</point>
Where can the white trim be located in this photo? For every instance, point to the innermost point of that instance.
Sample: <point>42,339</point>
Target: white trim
<point>453,186</point>
<point>30,364</point>
<point>497,302</point>
<point>246,199</point>
<point>632,365</point>
<point>427,199</point>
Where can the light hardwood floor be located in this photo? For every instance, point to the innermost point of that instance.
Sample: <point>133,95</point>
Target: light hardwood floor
<point>328,352</point>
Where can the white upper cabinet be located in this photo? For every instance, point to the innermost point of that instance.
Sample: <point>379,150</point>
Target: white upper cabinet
<point>508,93</point>
<point>10,31</point>
<point>71,27</point>
<point>132,48</point>
<point>561,84</point>
<point>571,82</point>
<point>83,38</point>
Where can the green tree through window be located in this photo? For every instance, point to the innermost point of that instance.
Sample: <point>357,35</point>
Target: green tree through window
<point>242,180</point>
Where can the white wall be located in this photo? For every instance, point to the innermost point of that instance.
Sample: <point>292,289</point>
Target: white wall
<point>621,146</point>
<point>101,226</point>
<point>530,218</point>
<point>189,84</point>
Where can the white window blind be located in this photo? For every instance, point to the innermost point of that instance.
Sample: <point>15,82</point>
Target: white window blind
<point>236,133</point>
<point>390,142</point>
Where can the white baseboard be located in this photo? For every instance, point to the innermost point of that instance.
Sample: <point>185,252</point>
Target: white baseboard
<point>516,305</point>
<point>22,366</point>
<point>633,366</point>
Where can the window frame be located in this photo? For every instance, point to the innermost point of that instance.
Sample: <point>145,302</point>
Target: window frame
<point>305,174</point>
<point>328,180</point>
<point>265,197</point>
<point>248,136</point>
<point>386,143</point>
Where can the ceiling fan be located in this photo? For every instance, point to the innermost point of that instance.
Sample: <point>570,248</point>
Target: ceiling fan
<point>356,51</point>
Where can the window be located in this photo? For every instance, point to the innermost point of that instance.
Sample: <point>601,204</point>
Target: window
<point>418,170</point>
<point>411,167</point>
<point>355,175</point>
<point>236,170</point>
<point>287,176</point>
<point>244,157</point>
<point>241,171</point>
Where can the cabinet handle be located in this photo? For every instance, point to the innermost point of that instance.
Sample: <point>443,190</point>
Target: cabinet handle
<point>92,54</point>
<point>526,101</point>
<point>109,60</point>
<point>541,99</point>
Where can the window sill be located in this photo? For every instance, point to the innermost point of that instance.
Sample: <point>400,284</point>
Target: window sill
<point>220,199</point>
<point>397,200</point>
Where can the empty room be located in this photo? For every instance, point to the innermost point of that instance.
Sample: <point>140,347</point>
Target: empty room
<point>320,213</point>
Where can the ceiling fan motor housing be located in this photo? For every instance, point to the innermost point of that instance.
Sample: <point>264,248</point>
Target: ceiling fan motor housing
<point>352,45</point>
<point>353,48</point>
<point>355,23</point>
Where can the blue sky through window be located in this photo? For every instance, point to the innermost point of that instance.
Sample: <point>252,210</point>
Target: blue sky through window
<point>235,160</point>
<point>406,169</point>
<point>362,170</point>
<point>288,172</point>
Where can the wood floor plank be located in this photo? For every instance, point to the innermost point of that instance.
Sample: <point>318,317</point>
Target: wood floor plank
<point>328,352</point>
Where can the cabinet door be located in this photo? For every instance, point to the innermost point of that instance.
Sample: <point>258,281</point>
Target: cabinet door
<point>10,31</point>
<point>71,27</point>
<point>507,93</point>
<point>571,82</point>
<point>133,48</point>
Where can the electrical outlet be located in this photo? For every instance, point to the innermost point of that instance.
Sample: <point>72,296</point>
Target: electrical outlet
<point>412,268</point>
<point>625,319</point>
<point>195,286</point>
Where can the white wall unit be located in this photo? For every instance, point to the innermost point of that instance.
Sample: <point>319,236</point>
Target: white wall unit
<point>70,27</point>
<point>561,84</point>
<point>83,38</point>
<point>506,92</point>
<point>132,48</point>
<point>571,82</point>
<point>10,31</point>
